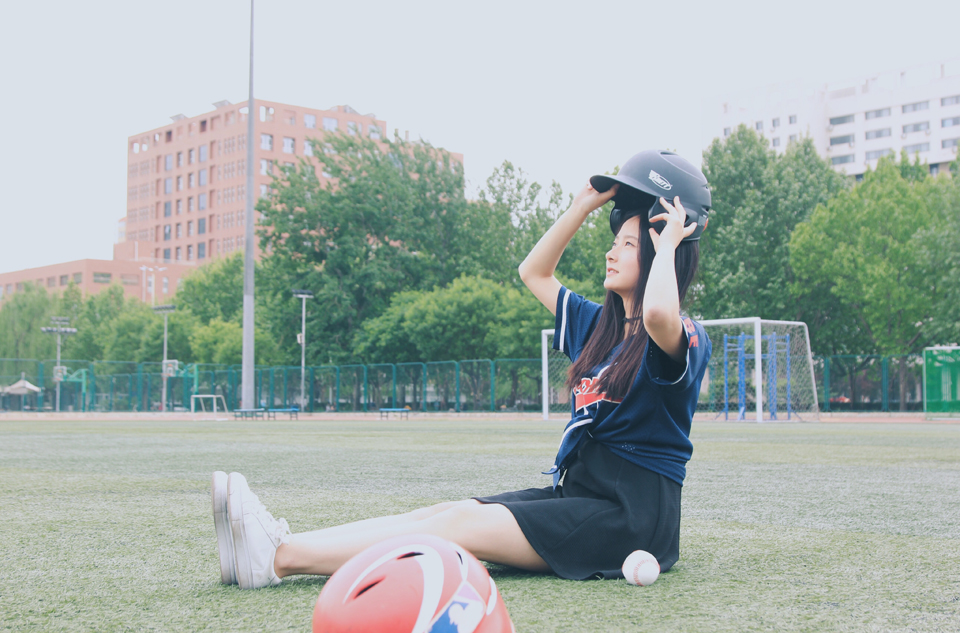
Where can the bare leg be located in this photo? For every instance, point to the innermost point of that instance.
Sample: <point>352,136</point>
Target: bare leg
<point>488,531</point>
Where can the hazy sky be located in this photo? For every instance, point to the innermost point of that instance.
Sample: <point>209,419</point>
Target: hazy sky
<point>561,89</point>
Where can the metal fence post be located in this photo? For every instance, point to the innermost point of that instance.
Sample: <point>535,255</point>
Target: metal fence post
<point>885,383</point>
<point>826,383</point>
<point>456,366</point>
<point>493,385</point>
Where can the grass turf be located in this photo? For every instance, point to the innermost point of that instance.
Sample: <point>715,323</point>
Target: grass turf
<point>787,527</point>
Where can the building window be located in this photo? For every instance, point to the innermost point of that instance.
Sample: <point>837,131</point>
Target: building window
<point>179,230</point>
<point>51,282</point>
<point>879,153</point>
<point>841,140</point>
<point>329,124</point>
<point>190,204</point>
<point>101,278</point>
<point>307,148</point>
<point>78,278</point>
<point>203,150</point>
<point>166,282</point>
<point>179,207</point>
<point>189,252</point>
<point>190,180</point>
<point>759,126</point>
<point>201,226</point>
<point>793,119</point>
<point>792,139</point>
<point>190,228</point>
<point>266,114</point>
<point>265,167</point>
<point>916,149</point>
<point>948,101</point>
<point>289,145</point>
<point>374,132</point>
<point>179,183</point>
<point>202,178</point>
<point>167,233</point>
<point>179,256</point>
<point>726,132</point>
<point>951,122</point>
<point>202,250</point>
<point>948,143</point>
<point>168,184</point>
<point>934,169</point>
<point>914,107</point>
<point>916,127</point>
<point>266,141</point>
<point>166,209</point>
<point>776,142</point>
<point>263,190</point>
<point>775,123</point>
<point>352,128</point>
<point>64,280</point>
<point>310,121</point>
<point>840,120</point>
<point>179,159</point>
<point>166,255</point>
<point>876,114</point>
<point>872,134</point>
<point>840,160</point>
<point>168,162</point>
<point>202,202</point>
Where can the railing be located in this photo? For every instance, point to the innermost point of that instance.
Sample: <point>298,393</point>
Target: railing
<point>844,383</point>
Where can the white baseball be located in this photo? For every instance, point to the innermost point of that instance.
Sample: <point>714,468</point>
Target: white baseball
<point>641,568</point>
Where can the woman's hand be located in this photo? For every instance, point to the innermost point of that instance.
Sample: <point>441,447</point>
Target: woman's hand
<point>672,234</point>
<point>589,199</point>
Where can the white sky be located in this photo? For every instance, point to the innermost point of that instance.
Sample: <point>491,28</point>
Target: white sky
<point>562,89</point>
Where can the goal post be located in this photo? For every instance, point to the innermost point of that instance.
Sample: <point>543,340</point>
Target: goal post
<point>201,398</point>
<point>941,382</point>
<point>760,370</point>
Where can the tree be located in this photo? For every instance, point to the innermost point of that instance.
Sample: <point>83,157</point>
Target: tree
<point>214,290</point>
<point>758,199</point>
<point>22,314</point>
<point>863,248</point>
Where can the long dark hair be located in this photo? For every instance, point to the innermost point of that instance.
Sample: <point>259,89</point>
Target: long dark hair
<point>609,332</point>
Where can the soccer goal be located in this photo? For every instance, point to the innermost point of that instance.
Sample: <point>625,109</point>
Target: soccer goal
<point>216,403</point>
<point>776,384</point>
<point>941,382</point>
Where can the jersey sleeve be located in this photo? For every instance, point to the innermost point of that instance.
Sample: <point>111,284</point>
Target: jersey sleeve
<point>666,372</point>
<point>576,319</point>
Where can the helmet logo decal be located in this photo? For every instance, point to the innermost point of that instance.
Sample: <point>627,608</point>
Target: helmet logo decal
<point>660,181</point>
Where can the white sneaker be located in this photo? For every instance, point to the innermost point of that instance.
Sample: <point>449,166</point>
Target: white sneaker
<point>256,535</point>
<point>221,521</point>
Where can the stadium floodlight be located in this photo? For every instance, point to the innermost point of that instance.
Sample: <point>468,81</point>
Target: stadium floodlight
<point>153,283</point>
<point>60,329</point>
<point>303,295</point>
<point>165,310</point>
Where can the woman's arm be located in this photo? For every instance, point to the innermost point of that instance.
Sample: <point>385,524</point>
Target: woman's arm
<point>537,269</point>
<point>661,299</point>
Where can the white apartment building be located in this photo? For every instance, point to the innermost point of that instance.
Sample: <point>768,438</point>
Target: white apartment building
<point>857,122</point>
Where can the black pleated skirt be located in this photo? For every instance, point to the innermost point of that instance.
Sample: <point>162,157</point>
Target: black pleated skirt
<point>606,508</point>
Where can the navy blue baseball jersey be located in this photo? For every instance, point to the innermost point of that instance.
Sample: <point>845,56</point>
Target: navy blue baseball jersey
<point>650,426</point>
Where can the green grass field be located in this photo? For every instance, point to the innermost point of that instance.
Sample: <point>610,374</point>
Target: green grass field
<point>106,526</point>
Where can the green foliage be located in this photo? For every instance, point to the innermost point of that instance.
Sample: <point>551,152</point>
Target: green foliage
<point>758,199</point>
<point>22,314</point>
<point>215,290</point>
<point>471,318</point>
<point>863,249</point>
<point>221,342</point>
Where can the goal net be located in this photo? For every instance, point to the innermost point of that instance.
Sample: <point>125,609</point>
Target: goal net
<point>941,382</point>
<point>778,384</point>
<point>208,402</point>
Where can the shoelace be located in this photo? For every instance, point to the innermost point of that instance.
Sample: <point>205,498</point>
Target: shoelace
<point>281,532</point>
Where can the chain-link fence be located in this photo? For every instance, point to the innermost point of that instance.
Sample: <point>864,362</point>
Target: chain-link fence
<point>844,383</point>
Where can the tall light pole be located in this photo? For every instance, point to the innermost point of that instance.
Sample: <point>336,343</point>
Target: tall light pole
<point>153,281</point>
<point>303,295</point>
<point>247,367</point>
<point>59,328</point>
<point>165,310</point>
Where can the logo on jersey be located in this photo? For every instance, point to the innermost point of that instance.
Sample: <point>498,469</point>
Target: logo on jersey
<point>660,181</point>
<point>691,332</point>
<point>588,393</point>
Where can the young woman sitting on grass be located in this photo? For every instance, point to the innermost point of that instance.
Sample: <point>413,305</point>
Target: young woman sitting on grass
<point>636,374</point>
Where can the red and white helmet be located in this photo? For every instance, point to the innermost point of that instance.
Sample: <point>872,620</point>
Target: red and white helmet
<point>412,584</point>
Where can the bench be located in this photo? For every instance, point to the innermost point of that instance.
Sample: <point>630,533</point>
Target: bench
<point>293,412</point>
<point>252,414</point>
<point>385,413</point>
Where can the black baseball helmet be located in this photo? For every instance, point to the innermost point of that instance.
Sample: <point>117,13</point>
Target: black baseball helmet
<point>647,176</point>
